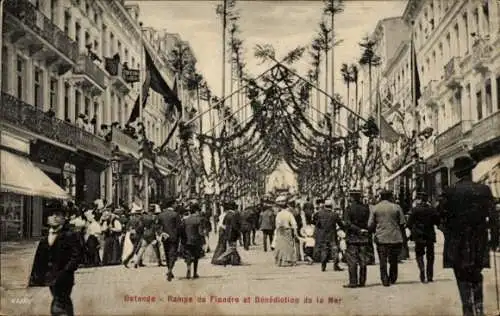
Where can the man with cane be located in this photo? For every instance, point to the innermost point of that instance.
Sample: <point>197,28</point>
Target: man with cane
<point>467,213</point>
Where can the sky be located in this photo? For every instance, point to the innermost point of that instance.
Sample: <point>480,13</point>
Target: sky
<point>283,24</point>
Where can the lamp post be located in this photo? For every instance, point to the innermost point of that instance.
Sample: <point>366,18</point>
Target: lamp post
<point>115,169</point>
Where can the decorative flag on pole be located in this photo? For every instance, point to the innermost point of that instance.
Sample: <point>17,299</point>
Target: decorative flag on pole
<point>387,133</point>
<point>155,81</point>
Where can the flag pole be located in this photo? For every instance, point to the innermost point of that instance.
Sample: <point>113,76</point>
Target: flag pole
<point>141,120</point>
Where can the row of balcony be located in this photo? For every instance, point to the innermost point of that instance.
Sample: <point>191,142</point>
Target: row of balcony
<point>19,114</point>
<point>31,31</point>
<point>22,115</point>
<point>479,60</point>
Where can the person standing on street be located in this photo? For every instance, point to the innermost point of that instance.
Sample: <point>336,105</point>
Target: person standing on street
<point>192,240</point>
<point>325,222</point>
<point>267,222</point>
<point>386,220</point>
<point>56,259</point>
<point>421,220</point>
<point>467,213</point>
<point>169,225</point>
<point>357,239</point>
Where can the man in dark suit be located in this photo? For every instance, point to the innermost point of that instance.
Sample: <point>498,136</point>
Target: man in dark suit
<point>267,223</point>
<point>386,220</point>
<point>421,220</point>
<point>467,215</point>
<point>357,239</point>
<point>325,222</point>
<point>192,240</point>
<point>56,259</point>
<point>246,227</point>
<point>169,225</point>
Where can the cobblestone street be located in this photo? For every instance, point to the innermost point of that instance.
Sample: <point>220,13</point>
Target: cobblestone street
<point>111,290</point>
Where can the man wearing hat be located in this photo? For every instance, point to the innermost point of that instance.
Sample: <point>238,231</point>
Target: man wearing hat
<point>421,221</point>
<point>467,215</point>
<point>325,222</point>
<point>386,220</point>
<point>56,259</point>
<point>357,239</point>
<point>169,224</point>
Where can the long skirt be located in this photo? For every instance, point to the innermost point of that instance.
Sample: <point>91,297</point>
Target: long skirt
<point>220,249</point>
<point>284,252</point>
<point>112,250</point>
<point>92,251</point>
<point>230,256</point>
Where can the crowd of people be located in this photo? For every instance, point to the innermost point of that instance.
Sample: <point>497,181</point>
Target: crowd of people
<point>318,230</point>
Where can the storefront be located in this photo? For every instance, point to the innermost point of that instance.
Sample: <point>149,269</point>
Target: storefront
<point>23,188</point>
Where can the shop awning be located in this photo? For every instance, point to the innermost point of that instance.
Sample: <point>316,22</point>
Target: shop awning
<point>484,167</point>
<point>399,172</point>
<point>487,171</point>
<point>21,176</point>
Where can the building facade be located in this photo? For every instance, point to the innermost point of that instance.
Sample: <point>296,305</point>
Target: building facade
<point>457,53</point>
<point>66,84</point>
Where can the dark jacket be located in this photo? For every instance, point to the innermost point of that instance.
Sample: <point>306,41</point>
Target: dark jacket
<point>267,220</point>
<point>325,222</point>
<point>232,221</point>
<point>465,209</point>
<point>246,220</point>
<point>421,221</point>
<point>192,230</point>
<point>356,218</point>
<point>169,222</point>
<point>56,263</point>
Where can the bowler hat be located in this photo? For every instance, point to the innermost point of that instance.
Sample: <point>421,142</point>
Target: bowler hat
<point>462,164</point>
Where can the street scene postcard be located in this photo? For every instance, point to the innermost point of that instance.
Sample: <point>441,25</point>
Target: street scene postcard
<point>250,157</point>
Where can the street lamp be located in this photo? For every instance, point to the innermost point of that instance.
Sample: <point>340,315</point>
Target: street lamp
<point>115,169</point>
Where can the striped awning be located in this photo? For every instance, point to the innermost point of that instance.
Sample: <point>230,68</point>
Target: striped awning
<point>21,176</point>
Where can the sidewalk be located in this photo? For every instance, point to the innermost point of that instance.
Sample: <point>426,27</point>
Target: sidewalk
<point>16,259</point>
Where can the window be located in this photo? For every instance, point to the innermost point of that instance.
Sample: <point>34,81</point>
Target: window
<point>53,10</point>
<point>488,98</point>
<point>37,89</point>
<point>5,69</point>
<point>78,105</point>
<point>87,106</point>
<point>67,21</point>
<point>20,68</point>
<point>66,100</point>
<point>53,93</point>
<point>479,105</point>
<point>78,29</point>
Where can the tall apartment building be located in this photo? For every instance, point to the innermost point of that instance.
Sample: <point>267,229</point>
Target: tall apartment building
<point>57,68</point>
<point>458,56</point>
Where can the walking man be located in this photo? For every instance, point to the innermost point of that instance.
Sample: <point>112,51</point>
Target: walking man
<point>466,208</point>
<point>267,222</point>
<point>357,239</point>
<point>192,240</point>
<point>56,260</point>
<point>169,223</point>
<point>421,221</point>
<point>386,220</point>
<point>325,222</point>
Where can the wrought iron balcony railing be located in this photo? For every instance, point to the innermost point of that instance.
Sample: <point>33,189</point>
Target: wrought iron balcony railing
<point>29,15</point>
<point>21,114</point>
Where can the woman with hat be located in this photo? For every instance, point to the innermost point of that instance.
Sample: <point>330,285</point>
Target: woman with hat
<point>286,232</point>
<point>111,230</point>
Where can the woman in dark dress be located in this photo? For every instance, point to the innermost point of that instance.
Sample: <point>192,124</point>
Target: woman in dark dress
<point>111,229</point>
<point>221,242</point>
